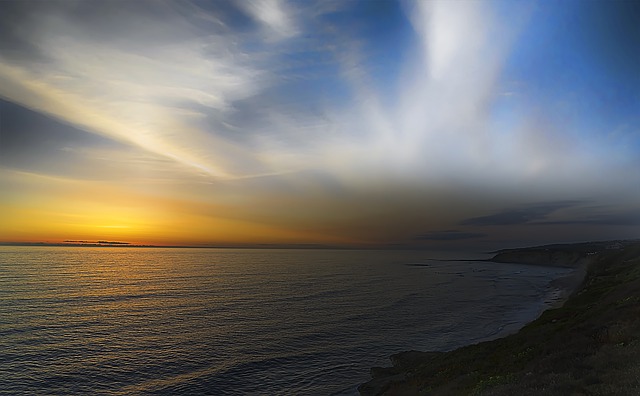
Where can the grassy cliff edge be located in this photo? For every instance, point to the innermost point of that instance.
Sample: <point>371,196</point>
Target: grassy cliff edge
<point>588,346</point>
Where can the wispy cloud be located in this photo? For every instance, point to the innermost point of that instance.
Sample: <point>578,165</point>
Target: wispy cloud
<point>449,235</point>
<point>275,15</point>
<point>522,215</point>
<point>611,217</point>
<point>150,92</point>
<point>202,86</point>
<point>559,213</point>
<point>275,106</point>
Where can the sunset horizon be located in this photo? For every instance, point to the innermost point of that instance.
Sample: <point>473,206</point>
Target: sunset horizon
<point>428,124</point>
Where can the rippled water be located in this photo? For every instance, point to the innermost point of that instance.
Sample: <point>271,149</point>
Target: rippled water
<point>233,322</point>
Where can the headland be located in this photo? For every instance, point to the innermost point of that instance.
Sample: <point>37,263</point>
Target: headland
<point>587,344</point>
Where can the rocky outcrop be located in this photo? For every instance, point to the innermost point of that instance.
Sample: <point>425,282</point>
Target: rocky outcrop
<point>385,379</point>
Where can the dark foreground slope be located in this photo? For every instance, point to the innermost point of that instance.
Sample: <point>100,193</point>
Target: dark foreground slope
<point>589,346</point>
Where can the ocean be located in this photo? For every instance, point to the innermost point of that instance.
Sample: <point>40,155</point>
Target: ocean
<point>122,321</point>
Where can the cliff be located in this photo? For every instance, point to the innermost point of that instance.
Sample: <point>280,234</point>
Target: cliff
<point>590,345</point>
<point>540,257</point>
<point>560,255</point>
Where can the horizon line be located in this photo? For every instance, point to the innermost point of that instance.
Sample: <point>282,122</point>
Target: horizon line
<point>308,246</point>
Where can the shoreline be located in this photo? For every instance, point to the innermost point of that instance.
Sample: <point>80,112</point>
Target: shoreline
<point>509,362</point>
<point>567,286</point>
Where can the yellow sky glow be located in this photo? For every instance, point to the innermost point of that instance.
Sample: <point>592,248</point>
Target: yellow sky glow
<point>46,209</point>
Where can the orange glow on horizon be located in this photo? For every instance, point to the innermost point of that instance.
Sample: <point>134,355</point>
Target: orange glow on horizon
<point>59,210</point>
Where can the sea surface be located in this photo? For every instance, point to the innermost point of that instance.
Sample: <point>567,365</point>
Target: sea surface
<point>121,321</point>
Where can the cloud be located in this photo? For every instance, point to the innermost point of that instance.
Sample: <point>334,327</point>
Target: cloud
<point>150,91</point>
<point>559,213</point>
<point>198,84</point>
<point>13,43</point>
<point>614,218</point>
<point>449,235</point>
<point>523,215</point>
<point>275,15</point>
<point>281,107</point>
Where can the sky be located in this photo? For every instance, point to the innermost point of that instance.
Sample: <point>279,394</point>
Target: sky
<point>427,124</point>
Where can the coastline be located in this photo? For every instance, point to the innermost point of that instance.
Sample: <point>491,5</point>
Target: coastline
<point>566,286</point>
<point>543,356</point>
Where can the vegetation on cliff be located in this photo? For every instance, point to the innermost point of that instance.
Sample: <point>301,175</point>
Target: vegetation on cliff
<point>589,346</point>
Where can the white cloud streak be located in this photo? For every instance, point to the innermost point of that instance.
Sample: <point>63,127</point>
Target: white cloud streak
<point>142,94</point>
<point>446,123</point>
<point>178,88</point>
<point>275,16</point>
